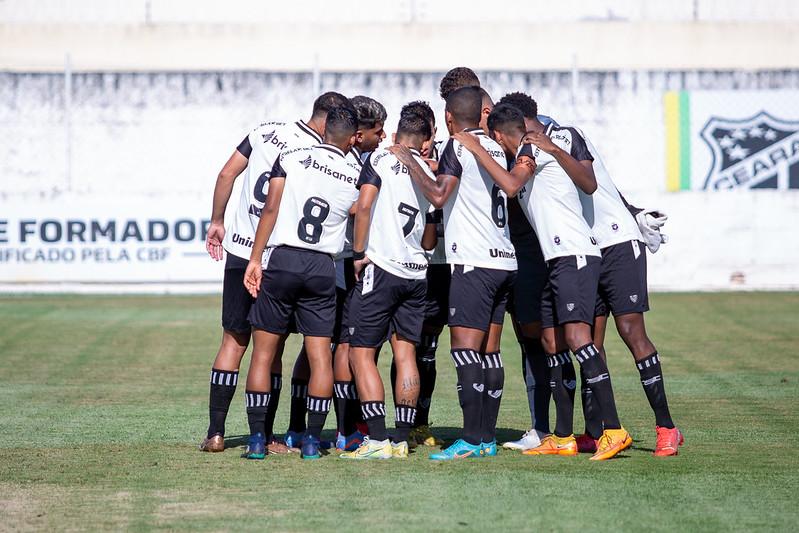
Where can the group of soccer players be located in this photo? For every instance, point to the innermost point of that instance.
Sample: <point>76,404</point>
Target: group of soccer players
<point>353,245</point>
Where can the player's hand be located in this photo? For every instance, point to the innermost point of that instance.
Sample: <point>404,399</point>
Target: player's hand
<point>433,164</point>
<point>649,222</point>
<point>359,265</point>
<point>468,140</point>
<point>213,241</point>
<point>402,152</point>
<point>252,278</point>
<point>542,141</point>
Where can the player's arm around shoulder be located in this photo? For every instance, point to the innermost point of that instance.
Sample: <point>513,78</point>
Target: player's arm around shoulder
<point>580,169</point>
<point>437,191</point>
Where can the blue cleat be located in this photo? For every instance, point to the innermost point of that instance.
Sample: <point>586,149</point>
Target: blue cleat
<point>349,442</point>
<point>490,449</point>
<point>309,448</point>
<point>460,449</point>
<point>256,448</point>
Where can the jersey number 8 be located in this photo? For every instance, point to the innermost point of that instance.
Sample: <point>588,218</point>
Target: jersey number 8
<point>315,212</point>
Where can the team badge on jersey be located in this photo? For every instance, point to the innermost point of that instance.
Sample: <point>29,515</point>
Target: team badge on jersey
<point>570,306</point>
<point>761,152</point>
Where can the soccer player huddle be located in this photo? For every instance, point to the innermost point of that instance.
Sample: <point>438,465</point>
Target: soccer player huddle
<point>353,245</point>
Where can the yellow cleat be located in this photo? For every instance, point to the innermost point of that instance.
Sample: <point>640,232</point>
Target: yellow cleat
<point>610,443</point>
<point>422,435</point>
<point>554,445</point>
<point>399,450</point>
<point>371,449</point>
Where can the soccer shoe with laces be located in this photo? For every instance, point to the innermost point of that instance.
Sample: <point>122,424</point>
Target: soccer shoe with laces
<point>399,450</point>
<point>275,447</point>
<point>294,440</point>
<point>585,444</point>
<point>554,445</point>
<point>309,448</point>
<point>348,443</point>
<point>256,448</point>
<point>530,439</point>
<point>214,443</point>
<point>610,443</point>
<point>370,449</point>
<point>422,435</point>
<point>668,441</point>
<point>460,449</point>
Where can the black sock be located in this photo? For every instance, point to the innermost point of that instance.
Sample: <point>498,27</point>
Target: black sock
<point>404,420</point>
<point>535,370</point>
<point>299,400</point>
<point>652,381</point>
<point>257,403</point>
<point>597,377</point>
<point>271,409</point>
<point>426,363</point>
<point>374,413</point>
<point>591,412</point>
<point>494,379</point>
<point>223,388</point>
<point>469,368</point>
<point>562,383</point>
<point>318,408</point>
<point>349,405</point>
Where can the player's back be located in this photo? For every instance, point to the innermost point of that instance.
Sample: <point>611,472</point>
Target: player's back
<point>318,195</point>
<point>261,147</point>
<point>475,215</point>
<point>398,216</point>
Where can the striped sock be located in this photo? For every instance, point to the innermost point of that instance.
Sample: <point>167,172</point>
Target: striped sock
<point>494,377</point>
<point>563,385</point>
<point>405,418</point>
<point>257,403</point>
<point>223,388</point>
<point>652,381</point>
<point>597,377</point>
<point>471,385</point>
<point>374,414</point>
<point>318,407</point>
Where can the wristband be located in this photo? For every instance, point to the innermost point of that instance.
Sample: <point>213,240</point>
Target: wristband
<point>357,256</point>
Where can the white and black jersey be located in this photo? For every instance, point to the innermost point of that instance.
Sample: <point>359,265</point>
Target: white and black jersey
<point>475,215</point>
<point>317,197</point>
<point>261,148</point>
<point>398,215</point>
<point>613,223</point>
<point>551,201</point>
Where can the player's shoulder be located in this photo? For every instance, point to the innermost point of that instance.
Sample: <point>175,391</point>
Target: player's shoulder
<point>381,156</point>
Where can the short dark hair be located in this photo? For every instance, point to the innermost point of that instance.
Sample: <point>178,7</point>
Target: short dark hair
<point>455,79</point>
<point>328,101</point>
<point>506,118</point>
<point>369,110</point>
<point>341,123</point>
<point>419,107</point>
<point>523,102</point>
<point>466,104</point>
<point>414,126</point>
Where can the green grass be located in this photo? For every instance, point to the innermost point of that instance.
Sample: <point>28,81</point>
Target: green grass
<point>104,401</point>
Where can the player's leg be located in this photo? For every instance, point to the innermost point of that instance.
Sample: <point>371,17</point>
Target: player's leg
<point>347,400</point>
<point>265,347</point>
<point>320,392</point>
<point>494,380</point>
<point>587,442</point>
<point>299,399</point>
<point>274,446</point>
<point>407,392</point>
<point>236,304</point>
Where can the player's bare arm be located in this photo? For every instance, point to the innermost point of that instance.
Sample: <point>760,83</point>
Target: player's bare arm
<point>430,236</point>
<point>254,272</point>
<point>436,192</point>
<point>509,182</point>
<point>360,231</point>
<point>580,172</point>
<point>224,185</point>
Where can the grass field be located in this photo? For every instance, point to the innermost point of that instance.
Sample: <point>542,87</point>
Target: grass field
<point>104,401</point>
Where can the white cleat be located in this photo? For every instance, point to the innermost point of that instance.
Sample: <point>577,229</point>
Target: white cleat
<point>529,440</point>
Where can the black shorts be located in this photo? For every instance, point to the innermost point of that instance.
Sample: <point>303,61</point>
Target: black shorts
<point>570,292</point>
<point>297,282</point>
<point>478,296</point>
<point>382,303</point>
<point>622,280</point>
<point>531,276</point>
<point>436,301</point>
<point>343,298</point>
<point>236,300</point>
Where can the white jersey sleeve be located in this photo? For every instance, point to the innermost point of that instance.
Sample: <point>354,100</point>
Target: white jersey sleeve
<point>398,216</point>
<point>475,215</point>
<point>262,147</point>
<point>551,201</point>
<point>317,198</point>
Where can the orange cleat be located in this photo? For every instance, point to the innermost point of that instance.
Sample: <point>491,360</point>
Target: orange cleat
<point>554,445</point>
<point>610,443</point>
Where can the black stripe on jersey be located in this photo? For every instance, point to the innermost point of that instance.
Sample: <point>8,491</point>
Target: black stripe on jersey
<point>369,175</point>
<point>449,164</point>
<point>304,127</point>
<point>526,150</point>
<point>354,151</point>
<point>579,149</point>
<point>245,148</point>
<point>329,147</point>
<point>277,170</point>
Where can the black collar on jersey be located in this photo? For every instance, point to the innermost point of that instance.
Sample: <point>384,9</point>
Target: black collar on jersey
<point>476,131</point>
<point>304,127</point>
<point>335,149</point>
